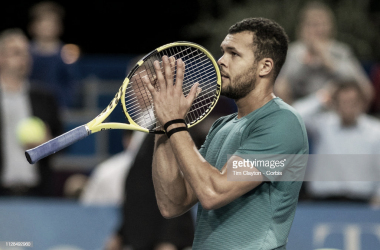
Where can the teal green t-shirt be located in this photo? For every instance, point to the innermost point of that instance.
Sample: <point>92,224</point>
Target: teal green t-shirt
<point>260,219</point>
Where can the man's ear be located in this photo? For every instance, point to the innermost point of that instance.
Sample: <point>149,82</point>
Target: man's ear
<point>266,66</point>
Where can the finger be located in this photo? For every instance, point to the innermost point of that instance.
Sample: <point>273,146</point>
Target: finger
<point>160,77</point>
<point>168,72</point>
<point>180,74</point>
<point>199,90</point>
<point>153,81</point>
<point>194,92</point>
<point>149,85</point>
<point>172,67</point>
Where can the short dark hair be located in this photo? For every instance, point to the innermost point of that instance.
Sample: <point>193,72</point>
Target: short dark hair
<point>341,85</point>
<point>47,7</point>
<point>316,5</point>
<point>12,32</point>
<point>269,39</point>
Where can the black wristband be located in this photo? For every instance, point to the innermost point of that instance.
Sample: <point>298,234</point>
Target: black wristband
<point>174,121</point>
<point>175,130</point>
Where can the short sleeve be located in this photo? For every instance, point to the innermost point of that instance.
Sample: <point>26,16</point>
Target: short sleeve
<point>277,145</point>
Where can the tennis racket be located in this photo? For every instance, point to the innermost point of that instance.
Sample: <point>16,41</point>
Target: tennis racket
<point>137,102</point>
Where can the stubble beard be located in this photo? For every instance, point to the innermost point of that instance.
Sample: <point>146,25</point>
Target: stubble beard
<point>241,86</point>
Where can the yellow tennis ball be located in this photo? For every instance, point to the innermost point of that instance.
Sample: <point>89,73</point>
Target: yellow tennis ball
<point>31,131</point>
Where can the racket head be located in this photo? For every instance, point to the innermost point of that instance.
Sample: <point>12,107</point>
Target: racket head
<point>201,67</point>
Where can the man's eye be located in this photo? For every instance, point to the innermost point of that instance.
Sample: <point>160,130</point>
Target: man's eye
<point>234,54</point>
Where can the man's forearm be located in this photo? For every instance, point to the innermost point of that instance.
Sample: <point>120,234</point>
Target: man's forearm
<point>204,179</point>
<point>210,186</point>
<point>174,195</point>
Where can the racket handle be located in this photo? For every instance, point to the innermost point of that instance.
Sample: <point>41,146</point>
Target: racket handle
<point>35,154</point>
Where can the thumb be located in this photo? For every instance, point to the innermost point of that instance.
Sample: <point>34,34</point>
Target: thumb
<point>194,92</point>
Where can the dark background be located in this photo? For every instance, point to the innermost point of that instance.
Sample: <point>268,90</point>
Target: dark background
<point>113,27</point>
<point>137,27</point>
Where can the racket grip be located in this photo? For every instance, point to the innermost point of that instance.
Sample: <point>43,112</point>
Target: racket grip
<point>35,154</point>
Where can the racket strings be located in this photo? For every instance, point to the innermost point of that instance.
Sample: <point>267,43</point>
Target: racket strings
<point>186,88</point>
<point>208,67</point>
<point>139,101</point>
<point>207,94</point>
<point>206,97</point>
<point>202,101</point>
<point>196,107</point>
<point>188,78</point>
<point>161,61</point>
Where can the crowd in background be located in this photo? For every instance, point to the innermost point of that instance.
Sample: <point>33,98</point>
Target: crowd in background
<point>33,80</point>
<point>321,78</point>
<point>324,81</point>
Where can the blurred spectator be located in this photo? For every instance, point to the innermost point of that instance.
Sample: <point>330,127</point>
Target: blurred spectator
<point>74,186</point>
<point>143,226</point>
<point>106,183</point>
<point>375,78</point>
<point>374,15</point>
<point>18,130</point>
<point>317,58</point>
<point>50,70</point>
<point>347,132</point>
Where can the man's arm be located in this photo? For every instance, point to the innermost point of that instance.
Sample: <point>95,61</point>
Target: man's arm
<point>211,186</point>
<point>174,194</point>
<point>181,175</point>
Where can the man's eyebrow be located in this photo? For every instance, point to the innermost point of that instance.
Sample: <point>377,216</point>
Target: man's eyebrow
<point>228,48</point>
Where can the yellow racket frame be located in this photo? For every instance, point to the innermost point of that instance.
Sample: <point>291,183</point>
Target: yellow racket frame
<point>96,124</point>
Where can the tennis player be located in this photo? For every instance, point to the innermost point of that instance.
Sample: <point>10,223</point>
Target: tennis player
<point>254,214</point>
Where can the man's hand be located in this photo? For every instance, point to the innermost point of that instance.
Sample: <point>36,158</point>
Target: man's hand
<point>169,101</point>
<point>114,243</point>
<point>318,54</point>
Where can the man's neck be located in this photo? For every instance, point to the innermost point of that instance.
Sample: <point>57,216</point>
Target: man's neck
<point>47,46</point>
<point>11,83</point>
<point>257,98</point>
<point>348,123</point>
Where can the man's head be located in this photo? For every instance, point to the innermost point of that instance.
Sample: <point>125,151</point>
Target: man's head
<point>254,48</point>
<point>15,58</point>
<point>46,21</point>
<point>349,101</point>
<point>316,21</point>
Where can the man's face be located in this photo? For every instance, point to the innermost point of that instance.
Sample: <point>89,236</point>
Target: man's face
<point>15,57</point>
<point>316,25</point>
<point>47,27</point>
<point>349,106</point>
<point>237,65</point>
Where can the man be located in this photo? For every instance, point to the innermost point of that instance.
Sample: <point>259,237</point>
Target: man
<point>18,102</point>
<point>143,227</point>
<point>343,137</point>
<point>317,57</point>
<point>105,185</point>
<point>51,69</point>
<point>255,214</point>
